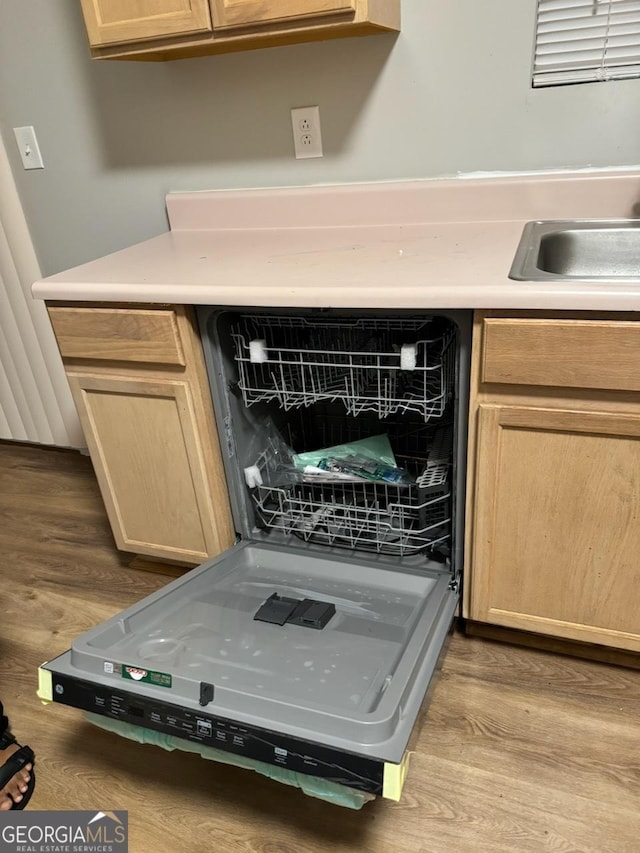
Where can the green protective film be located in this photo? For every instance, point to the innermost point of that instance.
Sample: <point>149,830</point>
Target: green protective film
<point>376,448</point>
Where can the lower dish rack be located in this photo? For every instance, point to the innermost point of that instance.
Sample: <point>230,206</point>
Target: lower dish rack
<point>379,517</point>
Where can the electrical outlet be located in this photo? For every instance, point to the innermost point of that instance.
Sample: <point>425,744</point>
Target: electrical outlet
<point>307,136</point>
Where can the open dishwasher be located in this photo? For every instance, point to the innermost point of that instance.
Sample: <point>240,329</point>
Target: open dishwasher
<point>311,644</point>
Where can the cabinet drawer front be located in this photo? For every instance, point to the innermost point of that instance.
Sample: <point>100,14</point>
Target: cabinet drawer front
<point>562,353</point>
<point>118,334</point>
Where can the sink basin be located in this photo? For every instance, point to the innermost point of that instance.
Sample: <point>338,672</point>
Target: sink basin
<point>586,249</point>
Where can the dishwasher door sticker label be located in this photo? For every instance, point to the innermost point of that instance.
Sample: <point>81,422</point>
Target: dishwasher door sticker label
<point>146,676</point>
<point>136,673</point>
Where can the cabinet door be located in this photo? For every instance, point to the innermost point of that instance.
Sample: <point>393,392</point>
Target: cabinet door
<point>245,13</point>
<point>148,458</point>
<point>556,539</point>
<point>114,21</point>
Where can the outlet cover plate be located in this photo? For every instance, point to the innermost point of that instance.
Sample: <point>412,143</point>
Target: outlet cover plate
<point>307,135</point>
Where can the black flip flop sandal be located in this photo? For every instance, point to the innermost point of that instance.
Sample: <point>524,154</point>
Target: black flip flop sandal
<point>14,764</point>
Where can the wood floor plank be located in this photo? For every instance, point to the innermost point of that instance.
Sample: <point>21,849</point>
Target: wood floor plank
<point>522,751</point>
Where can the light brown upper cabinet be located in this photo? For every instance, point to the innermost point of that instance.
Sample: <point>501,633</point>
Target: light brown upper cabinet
<point>121,21</point>
<point>248,13</point>
<point>159,30</point>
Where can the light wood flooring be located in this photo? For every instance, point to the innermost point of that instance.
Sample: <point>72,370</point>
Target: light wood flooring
<point>522,750</point>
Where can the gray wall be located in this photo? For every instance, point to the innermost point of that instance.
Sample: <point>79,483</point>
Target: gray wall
<point>449,95</point>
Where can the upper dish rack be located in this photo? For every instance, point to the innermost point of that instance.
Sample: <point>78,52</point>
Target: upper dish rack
<point>383,366</point>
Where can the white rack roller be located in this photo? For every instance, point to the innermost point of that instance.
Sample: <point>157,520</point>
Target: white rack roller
<point>258,352</point>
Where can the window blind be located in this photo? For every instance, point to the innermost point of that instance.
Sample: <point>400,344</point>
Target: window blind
<point>35,400</point>
<point>579,41</point>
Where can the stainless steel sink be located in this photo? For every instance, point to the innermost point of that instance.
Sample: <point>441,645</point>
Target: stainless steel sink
<point>591,249</point>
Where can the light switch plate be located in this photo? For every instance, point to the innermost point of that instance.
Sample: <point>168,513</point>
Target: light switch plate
<point>28,147</point>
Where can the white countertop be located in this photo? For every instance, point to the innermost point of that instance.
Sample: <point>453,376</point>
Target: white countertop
<point>305,260</point>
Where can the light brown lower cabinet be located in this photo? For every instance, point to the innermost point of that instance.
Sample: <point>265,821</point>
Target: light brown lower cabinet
<point>150,464</point>
<point>149,428</point>
<point>554,496</point>
<point>557,545</point>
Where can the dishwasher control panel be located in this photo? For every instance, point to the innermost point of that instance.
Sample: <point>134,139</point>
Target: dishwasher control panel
<point>275,748</point>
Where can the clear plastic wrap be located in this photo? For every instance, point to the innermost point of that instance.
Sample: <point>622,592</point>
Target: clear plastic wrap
<point>367,460</point>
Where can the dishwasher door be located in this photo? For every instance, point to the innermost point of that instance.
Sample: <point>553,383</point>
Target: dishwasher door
<point>338,701</point>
